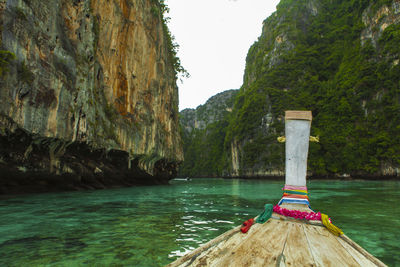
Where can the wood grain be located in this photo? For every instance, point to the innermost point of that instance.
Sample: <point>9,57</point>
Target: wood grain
<point>281,243</point>
<point>361,259</point>
<point>326,249</point>
<point>296,251</point>
<point>362,251</point>
<point>298,115</point>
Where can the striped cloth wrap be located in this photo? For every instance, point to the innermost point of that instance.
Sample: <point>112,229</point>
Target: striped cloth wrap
<point>295,194</point>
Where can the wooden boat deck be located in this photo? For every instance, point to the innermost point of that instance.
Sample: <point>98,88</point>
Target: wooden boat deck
<point>279,242</point>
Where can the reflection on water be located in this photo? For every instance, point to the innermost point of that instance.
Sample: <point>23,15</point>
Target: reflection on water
<point>152,226</point>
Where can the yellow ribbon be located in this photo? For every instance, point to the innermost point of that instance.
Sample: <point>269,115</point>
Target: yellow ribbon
<point>332,228</point>
<point>282,139</point>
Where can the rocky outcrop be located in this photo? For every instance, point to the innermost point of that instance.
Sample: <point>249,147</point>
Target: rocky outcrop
<point>90,76</point>
<point>33,163</point>
<point>276,41</point>
<point>376,21</point>
<point>203,133</point>
<point>215,109</point>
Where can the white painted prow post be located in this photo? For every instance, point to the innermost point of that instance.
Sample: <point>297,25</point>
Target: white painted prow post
<point>297,132</point>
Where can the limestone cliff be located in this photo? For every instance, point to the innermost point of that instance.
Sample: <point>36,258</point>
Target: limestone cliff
<point>92,91</point>
<point>338,59</point>
<point>203,133</point>
<point>215,109</point>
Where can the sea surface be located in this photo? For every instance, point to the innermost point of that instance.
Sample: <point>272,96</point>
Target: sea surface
<point>153,225</point>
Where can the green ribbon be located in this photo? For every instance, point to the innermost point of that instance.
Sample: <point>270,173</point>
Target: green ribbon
<point>263,217</point>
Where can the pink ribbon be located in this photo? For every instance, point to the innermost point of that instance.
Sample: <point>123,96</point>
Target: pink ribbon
<point>292,187</point>
<point>315,216</point>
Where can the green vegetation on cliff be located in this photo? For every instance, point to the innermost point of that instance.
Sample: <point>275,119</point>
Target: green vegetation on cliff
<point>162,10</point>
<point>5,59</point>
<point>352,87</point>
<point>203,132</point>
<point>202,149</point>
<point>339,59</point>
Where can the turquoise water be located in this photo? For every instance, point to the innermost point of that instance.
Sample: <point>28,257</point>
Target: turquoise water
<point>152,226</point>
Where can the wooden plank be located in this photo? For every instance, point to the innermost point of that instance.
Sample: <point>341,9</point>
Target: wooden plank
<point>261,246</point>
<point>264,248</point>
<point>188,257</point>
<point>298,115</point>
<point>362,251</point>
<point>297,134</point>
<point>226,251</point>
<point>361,259</point>
<point>326,249</point>
<point>296,250</point>
<point>278,243</point>
<point>218,248</point>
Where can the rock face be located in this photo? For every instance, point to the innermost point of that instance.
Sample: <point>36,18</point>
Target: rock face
<point>215,109</point>
<point>91,94</point>
<point>203,133</point>
<point>376,21</point>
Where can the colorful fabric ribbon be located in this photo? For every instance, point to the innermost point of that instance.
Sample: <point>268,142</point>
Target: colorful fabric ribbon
<point>326,221</point>
<point>316,216</point>
<point>263,217</point>
<point>299,195</point>
<point>293,187</point>
<point>295,194</point>
<point>246,225</point>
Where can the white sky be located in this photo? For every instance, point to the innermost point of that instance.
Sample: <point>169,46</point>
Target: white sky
<point>214,37</point>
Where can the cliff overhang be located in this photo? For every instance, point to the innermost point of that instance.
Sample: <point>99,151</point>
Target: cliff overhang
<point>33,163</point>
